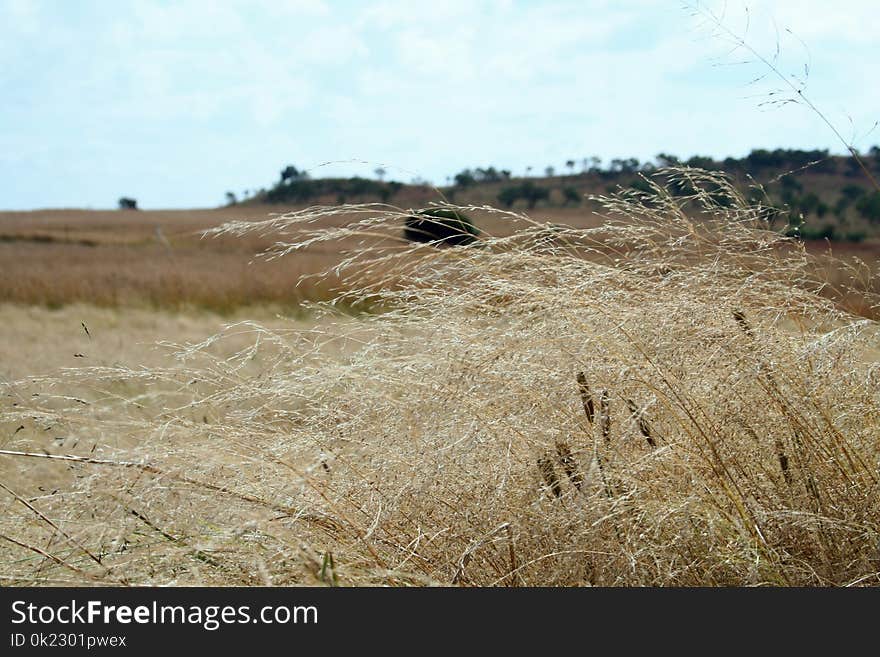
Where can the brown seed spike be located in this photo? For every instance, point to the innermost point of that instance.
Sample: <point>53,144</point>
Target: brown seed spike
<point>605,409</point>
<point>586,397</point>
<point>644,426</point>
<point>569,464</point>
<point>740,318</point>
<point>550,477</point>
<point>783,461</point>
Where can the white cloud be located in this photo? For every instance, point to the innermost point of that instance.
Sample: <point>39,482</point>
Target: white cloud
<point>427,87</point>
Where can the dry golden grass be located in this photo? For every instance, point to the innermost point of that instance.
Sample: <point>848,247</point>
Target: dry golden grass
<point>161,260</point>
<point>147,259</point>
<point>682,407</point>
<point>39,341</point>
<point>118,259</point>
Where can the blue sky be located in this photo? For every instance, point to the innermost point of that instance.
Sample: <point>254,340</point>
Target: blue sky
<point>174,103</point>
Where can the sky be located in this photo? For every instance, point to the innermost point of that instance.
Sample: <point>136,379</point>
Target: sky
<point>175,103</point>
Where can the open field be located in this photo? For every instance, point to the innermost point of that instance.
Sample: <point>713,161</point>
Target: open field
<point>35,340</point>
<point>655,402</point>
<point>147,259</point>
<point>160,259</point>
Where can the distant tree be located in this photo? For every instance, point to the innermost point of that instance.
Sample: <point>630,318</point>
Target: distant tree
<point>289,172</point>
<point>667,160</point>
<point>532,193</point>
<point>853,168</point>
<point>380,173</point>
<point>303,189</point>
<point>627,165</point>
<point>528,191</point>
<point>809,203</point>
<point>792,183</point>
<point>732,163</point>
<point>855,236</point>
<point>852,192</point>
<point>464,178</point>
<point>126,203</point>
<point>549,171</point>
<point>571,195</point>
<point>643,186</point>
<point>389,190</point>
<point>505,173</point>
<point>570,165</point>
<point>508,196</point>
<point>230,198</point>
<point>819,233</point>
<point>528,171</point>
<point>702,162</point>
<point>791,187</point>
<point>761,158</point>
<point>487,175</point>
<point>869,207</point>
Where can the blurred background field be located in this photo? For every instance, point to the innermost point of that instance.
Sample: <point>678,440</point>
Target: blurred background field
<point>163,260</point>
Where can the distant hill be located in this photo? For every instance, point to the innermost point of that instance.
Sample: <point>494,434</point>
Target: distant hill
<point>820,195</point>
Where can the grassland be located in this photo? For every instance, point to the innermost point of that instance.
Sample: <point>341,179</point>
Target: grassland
<point>143,259</point>
<point>663,396</point>
<point>162,260</point>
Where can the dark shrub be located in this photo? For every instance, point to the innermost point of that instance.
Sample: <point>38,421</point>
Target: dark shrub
<point>533,193</point>
<point>852,192</point>
<point>508,196</point>
<point>702,162</point>
<point>643,186</point>
<point>806,232</point>
<point>528,191</point>
<point>855,236</point>
<point>303,189</point>
<point>440,225</point>
<point>827,232</point>
<point>465,178</point>
<point>869,207</point>
<point>571,195</point>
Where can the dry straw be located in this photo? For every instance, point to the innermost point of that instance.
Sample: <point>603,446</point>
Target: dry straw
<point>401,448</point>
